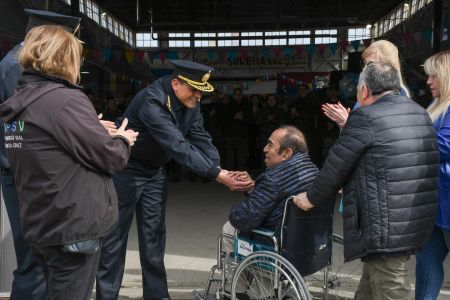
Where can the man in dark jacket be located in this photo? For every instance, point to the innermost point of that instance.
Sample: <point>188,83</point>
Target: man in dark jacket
<point>167,116</point>
<point>387,160</point>
<point>29,281</point>
<point>289,172</point>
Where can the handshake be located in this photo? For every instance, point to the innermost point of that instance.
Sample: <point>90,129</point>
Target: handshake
<point>128,134</point>
<point>236,180</point>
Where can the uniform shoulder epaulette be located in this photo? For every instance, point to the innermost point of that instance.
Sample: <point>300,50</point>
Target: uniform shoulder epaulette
<point>169,105</point>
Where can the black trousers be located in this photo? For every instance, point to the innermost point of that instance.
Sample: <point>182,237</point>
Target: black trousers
<point>28,278</point>
<point>70,276</point>
<point>142,191</point>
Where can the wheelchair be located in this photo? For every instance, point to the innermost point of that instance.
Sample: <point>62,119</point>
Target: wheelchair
<point>271,265</point>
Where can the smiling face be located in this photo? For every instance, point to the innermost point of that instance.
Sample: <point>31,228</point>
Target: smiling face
<point>187,94</point>
<point>272,149</point>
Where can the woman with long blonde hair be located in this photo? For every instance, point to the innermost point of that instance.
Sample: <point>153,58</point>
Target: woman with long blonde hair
<point>381,51</point>
<point>429,262</point>
<point>62,159</point>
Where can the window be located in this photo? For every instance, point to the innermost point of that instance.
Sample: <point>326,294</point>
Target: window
<point>257,42</point>
<point>145,40</point>
<point>299,41</point>
<point>207,41</point>
<point>253,38</point>
<point>398,16</point>
<point>413,6</point>
<point>178,41</point>
<point>104,20</point>
<point>82,6</point>
<point>362,33</point>
<point>275,33</point>
<point>406,9</point>
<point>275,42</point>
<point>68,2</point>
<point>300,32</point>
<point>422,3</point>
<point>228,43</point>
<point>325,36</point>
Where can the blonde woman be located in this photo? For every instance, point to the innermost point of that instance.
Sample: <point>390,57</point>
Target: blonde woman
<point>429,268</point>
<point>381,51</point>
<point>62,159</point>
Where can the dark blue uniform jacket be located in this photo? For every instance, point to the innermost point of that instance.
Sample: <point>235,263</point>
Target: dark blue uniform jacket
<point>169,130</point>
<point>10,72</point>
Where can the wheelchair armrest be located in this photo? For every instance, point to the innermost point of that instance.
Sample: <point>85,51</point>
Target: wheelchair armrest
<point>268,233</point>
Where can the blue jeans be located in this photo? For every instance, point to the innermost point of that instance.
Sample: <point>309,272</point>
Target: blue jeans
<point>429,264</point>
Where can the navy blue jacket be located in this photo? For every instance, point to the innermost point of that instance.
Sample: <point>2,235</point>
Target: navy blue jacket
<point>10,72</point>
<point>265,205</point>
<point>442,126</point>
<point>169,130</point>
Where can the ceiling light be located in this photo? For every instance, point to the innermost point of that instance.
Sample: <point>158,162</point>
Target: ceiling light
<point>85,72</point>
<point>103,14</point>
<point>368,26</point>
<point>406,6</point>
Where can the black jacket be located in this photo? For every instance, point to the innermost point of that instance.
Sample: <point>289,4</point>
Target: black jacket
<point>62,159</point>
<point>169,130</point>
<point>387,159</point>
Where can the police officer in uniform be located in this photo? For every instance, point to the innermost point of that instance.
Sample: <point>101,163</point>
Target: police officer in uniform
<point>29,281</point>
<point>167,116</point>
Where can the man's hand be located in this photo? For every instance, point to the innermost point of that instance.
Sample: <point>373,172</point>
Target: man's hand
<point>337,113</point>
<point>244,177</point>
<point>109,126</point>
<point>232,183</point>
<point>129,134</point>
<point>302,202</point>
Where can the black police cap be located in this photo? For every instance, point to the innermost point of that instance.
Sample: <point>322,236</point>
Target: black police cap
<point>194,74</point>
<point>44,17</point>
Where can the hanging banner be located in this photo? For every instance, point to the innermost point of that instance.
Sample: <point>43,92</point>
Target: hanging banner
<point>321,49</point>
<point>333,48</point>
<point>129,56</point>
<point>355,44</point>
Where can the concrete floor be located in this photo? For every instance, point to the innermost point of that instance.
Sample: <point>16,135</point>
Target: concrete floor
<point>196,212</point>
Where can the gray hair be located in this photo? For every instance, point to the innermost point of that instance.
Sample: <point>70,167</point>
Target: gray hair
<point>379,78</point>
<point>293,139</point>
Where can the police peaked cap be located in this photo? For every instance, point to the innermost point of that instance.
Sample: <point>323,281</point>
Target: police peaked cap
<point>44,17</point>
<point>194,74</point>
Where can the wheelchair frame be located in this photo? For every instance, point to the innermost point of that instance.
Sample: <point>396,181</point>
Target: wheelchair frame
<point>229,268</point>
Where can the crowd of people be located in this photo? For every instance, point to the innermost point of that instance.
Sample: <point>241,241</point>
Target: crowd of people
<point>72,182</point>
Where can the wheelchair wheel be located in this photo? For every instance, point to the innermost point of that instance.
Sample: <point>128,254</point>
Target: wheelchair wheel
<point>266,275</point>
<point>342,279</point>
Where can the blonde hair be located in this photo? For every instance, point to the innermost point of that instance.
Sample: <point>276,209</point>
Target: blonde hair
<point>386,53</point>
<point>52,50</point>
<point>438,65</point>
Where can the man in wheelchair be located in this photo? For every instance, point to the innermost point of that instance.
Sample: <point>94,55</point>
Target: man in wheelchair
<point>289,172</point>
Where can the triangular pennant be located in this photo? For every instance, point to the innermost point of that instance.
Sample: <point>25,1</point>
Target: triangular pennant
<point>117,54</point>
<point>344,45</point>
<point>139,55</point>
<point>367,42</point>
<point>107,54</point>
<point>321,48</point>
<point>162,56</point>
<point>427,35</point>
<point>310,49</point>
<point>172,55</point>
<point>232,54</point>
<point>333,48</point>
<point>298,50</point>
<point>210,54</point>
<point>96,55</point>
<point>243,53</point>
<point>85,52</point>
<point>266,52</point>
<point>288,51</point>
<point>406,38</point>
<point>129,56</point>
<point>277,51</point>
<point>417,37</point>
<point>355,44</point>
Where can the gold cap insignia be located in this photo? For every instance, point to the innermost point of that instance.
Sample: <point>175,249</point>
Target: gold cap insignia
<point>206,76</point>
